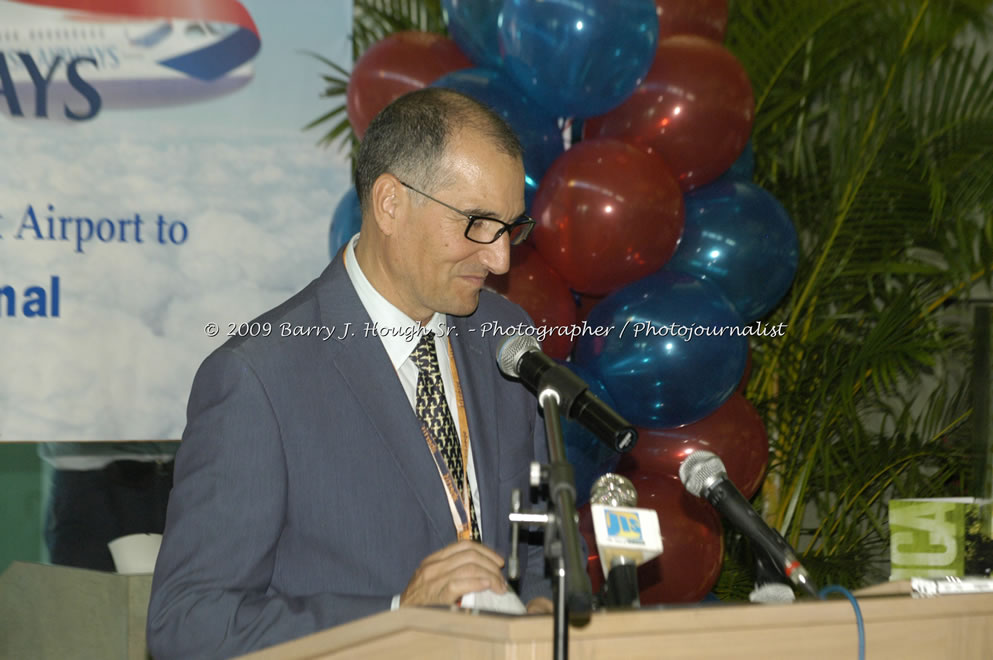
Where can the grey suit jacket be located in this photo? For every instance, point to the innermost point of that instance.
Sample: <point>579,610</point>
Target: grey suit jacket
<point>304,493</point>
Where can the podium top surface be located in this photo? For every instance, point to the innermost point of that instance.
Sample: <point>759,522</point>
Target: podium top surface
<point>896,625</point>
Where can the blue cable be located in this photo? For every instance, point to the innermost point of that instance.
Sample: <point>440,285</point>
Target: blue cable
<point>834,588</point>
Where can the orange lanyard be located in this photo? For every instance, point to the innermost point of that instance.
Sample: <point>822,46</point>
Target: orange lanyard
<point>461,501</point>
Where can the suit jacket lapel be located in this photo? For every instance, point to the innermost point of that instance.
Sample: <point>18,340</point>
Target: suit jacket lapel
<point>381,396</point>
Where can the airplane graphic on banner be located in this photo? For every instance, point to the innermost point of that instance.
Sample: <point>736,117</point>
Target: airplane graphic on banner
<point>68,60</point>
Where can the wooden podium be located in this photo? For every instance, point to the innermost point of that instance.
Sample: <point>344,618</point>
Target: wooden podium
<point>899,627</point>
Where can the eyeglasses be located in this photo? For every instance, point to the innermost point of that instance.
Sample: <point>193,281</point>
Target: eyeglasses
<point>483,229</point>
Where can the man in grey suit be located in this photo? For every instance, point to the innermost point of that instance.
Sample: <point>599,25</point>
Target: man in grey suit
<point>317,482</point>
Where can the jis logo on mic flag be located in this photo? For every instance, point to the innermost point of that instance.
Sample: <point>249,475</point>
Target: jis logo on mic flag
<point>623,526</point>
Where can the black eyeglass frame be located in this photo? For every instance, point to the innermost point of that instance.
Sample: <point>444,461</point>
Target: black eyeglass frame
<point>524,220</point>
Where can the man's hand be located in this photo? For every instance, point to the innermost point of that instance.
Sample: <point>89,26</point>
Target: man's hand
<point>541,605</point>
<point>455,570</point>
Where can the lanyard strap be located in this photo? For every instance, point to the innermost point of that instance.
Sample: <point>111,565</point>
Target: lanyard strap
<point>461,501</point>
<point>460,405</point>
<point>464,526</point>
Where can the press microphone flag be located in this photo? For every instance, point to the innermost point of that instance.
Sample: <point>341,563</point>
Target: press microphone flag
<point>520,356</point>
<point>624,534</point>
<point>626,537</point>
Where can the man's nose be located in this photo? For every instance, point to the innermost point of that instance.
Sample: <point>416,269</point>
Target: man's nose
<point>496,255</point>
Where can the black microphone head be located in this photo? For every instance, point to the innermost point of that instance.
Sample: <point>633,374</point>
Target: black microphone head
<point>699,470</point>
<point>613,490</point>
<point>511,350</point>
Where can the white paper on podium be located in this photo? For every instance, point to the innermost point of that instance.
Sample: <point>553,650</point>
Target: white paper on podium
<point>505,603</point>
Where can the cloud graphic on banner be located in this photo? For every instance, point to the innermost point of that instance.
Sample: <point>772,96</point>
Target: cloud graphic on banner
<point>119,361</point>
<point>70,59</point>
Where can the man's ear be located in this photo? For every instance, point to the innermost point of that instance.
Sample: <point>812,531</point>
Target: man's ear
<point>388,203</point>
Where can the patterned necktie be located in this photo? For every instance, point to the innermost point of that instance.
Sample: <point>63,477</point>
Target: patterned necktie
<point>432,408</point>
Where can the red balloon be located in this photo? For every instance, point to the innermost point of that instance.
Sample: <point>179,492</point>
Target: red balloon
<point>535,286</point>
<point>608,214</point>
<point>692,544</point>
<point>400,63</point>
<point>748,372</point>
<point>694,109</point>
<point>734,432</point>
<point>706,18</point>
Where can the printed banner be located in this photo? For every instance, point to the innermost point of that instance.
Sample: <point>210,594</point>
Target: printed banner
<point>157,192</point>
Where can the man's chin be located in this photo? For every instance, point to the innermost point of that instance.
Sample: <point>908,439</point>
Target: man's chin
<point>465,306</point>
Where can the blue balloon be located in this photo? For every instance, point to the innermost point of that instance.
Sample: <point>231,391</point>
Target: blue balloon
<point>590,457</point>
<point>538,131</point>
<point>346,221</point>
<point>673,349</point>
<point>743,169</point>
<point>578,59</point>
<point>473,25</point>
<point>740,238</point>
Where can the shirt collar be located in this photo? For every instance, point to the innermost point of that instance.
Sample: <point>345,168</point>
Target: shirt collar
<point>398,332</point>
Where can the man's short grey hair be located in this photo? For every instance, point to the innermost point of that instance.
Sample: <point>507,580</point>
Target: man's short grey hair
<point>408,138</point>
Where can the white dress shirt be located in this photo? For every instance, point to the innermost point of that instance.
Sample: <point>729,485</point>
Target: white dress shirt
<point>401,337</point>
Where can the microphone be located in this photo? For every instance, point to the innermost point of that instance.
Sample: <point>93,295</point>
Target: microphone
<point>625,537</point>
<point>520,357</point>
<point>703,474</point>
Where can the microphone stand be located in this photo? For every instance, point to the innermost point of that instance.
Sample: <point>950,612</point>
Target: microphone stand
<point>573,592</point>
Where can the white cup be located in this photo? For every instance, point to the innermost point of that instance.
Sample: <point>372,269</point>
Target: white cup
<point>135,554</point>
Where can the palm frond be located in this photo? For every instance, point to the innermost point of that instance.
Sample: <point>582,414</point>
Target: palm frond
<point>375,19</point>
<point>372,20</point>
<point>873,120</point>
